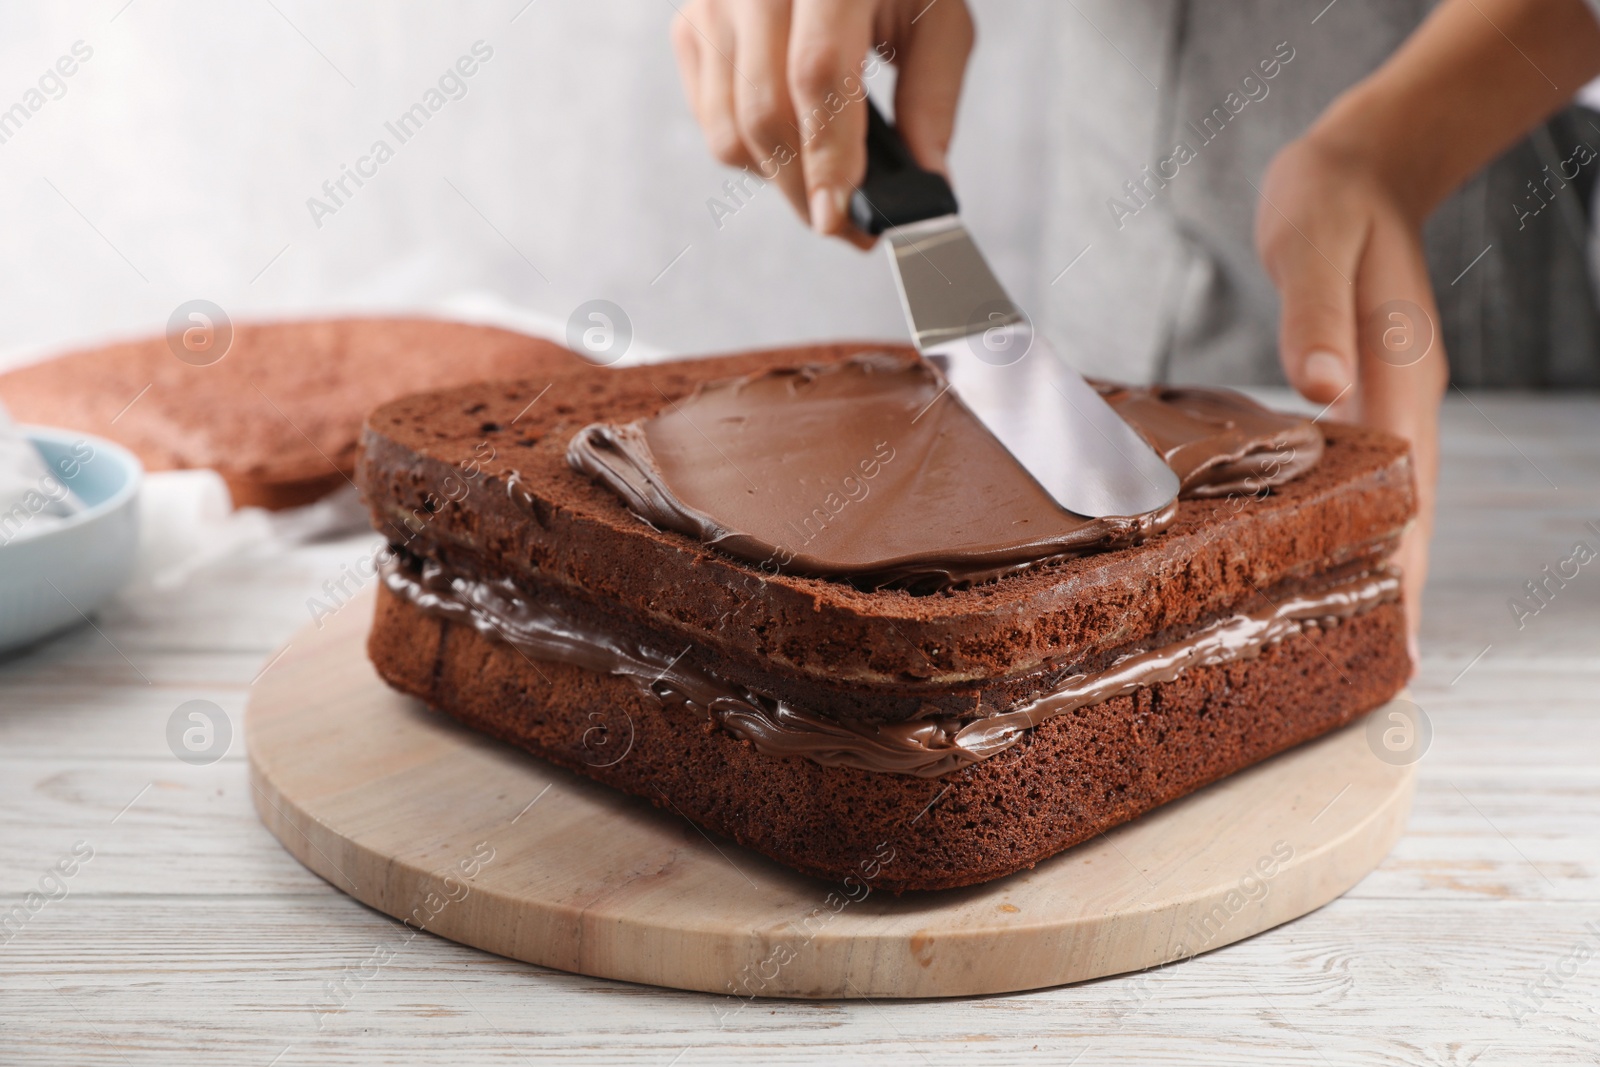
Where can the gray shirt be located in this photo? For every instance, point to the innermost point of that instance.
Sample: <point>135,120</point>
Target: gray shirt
<point>1508,253</point>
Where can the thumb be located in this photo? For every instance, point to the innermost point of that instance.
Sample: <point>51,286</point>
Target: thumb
<point>1311,257</point>
<point>1317,332</point>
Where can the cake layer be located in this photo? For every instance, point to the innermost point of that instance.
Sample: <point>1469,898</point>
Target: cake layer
<point>481,472</point>
<point>1074,775</point>
<point>940,733</point>
<point>279,415</point>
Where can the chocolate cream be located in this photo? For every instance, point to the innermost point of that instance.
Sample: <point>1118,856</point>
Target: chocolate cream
<point>927,747</point>
<point>871,471</point>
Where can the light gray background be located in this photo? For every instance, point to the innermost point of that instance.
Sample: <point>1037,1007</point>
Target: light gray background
<point>179,161</point>
<point>192,138</point>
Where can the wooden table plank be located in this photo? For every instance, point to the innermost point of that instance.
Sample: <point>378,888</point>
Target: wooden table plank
<point>239,979</point>
<point>192,937</point>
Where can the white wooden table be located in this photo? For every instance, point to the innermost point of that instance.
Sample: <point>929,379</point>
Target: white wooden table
<point>192,937</point>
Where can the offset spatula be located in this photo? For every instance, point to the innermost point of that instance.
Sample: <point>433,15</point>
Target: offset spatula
<point>1062,432</point>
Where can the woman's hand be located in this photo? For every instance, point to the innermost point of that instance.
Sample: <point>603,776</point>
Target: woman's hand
<point>1340,219</point>
<point>776,87</point>
<point>1359,329</point>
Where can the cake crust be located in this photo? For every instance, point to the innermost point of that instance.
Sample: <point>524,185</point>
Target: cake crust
<point>475,482</point>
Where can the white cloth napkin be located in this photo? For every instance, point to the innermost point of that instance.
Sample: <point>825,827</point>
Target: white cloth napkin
<point>30,492</point>
<point>189,524</point>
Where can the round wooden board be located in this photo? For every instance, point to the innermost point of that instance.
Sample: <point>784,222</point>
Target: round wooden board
<point>481,843</point>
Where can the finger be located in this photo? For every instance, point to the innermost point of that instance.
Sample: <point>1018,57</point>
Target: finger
<point>931,52</point>
<point>1311,256</point>
<point>712,37</point>
<point>1403,375</point>
<point>761,95</point>
<point>861,240</point>
<point>828,40</point>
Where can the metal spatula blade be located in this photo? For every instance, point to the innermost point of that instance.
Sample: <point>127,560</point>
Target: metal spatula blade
<point>1059,429</point>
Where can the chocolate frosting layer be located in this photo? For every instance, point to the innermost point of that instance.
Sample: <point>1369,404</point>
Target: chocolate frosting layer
<point>870,471</point>
<point>926,748</point>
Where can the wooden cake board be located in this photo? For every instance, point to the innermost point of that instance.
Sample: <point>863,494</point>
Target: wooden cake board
<point>481,843</point>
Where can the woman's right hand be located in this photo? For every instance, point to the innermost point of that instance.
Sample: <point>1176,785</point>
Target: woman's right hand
<point>777,87</point>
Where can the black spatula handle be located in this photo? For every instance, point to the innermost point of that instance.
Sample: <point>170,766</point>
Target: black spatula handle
<point>895,191</point>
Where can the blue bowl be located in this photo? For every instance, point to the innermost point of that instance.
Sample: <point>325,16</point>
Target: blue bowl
<point>54,572</point>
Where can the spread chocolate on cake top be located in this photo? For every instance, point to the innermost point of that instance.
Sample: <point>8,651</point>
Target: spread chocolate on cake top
<point>871,471</point>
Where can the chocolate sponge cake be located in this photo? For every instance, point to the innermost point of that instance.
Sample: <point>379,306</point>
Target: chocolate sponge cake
<point>802,599</point>
<point>279,415</point>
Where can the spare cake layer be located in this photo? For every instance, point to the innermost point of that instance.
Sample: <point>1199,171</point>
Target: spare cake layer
<point>479,475</point>
<point>279,415</point>
<point>1060,782</point>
